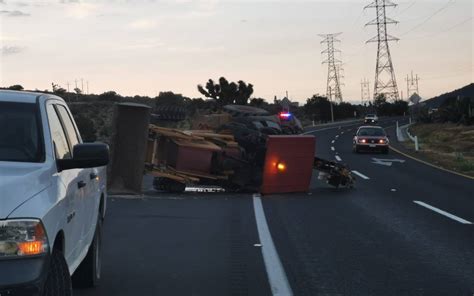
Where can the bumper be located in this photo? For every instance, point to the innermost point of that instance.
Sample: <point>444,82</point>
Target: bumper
<point>24,276</point>
<point>372,146</point>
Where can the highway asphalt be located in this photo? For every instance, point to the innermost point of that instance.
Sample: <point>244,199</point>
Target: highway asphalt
<point>403,230</point>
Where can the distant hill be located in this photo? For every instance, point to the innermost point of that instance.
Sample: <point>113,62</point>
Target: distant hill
<point>466,91</point>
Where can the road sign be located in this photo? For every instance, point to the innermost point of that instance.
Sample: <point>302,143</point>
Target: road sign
<point>386,162</point>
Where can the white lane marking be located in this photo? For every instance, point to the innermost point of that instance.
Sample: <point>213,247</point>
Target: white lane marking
<point>446,214</point>
<point>361,175</point>
<point>275,272</point>
<point>338,158</point>
<point>332,142</point>
<point>332,148</point>
<point>337,136</point>
<point>342,133</point>
<point>328,128</point>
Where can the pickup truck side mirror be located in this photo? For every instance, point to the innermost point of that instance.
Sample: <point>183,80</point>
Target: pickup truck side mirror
<point>87,155</point>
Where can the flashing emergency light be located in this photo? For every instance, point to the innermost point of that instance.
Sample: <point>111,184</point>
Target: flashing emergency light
<point>284,115</point>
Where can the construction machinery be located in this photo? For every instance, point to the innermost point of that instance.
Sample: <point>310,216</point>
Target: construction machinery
<point>243,149</point>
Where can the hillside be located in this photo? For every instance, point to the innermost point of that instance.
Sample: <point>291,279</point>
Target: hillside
<point>466,91</point>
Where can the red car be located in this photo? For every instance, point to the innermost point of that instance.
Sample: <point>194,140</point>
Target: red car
<point>370,138</point>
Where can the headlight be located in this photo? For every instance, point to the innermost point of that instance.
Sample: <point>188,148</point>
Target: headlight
<point>22,237</point>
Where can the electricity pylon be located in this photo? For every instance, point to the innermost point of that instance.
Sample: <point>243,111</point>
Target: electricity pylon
<point>385,82</point>
<point>333,88</point>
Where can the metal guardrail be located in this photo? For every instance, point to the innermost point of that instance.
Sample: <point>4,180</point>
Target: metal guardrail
<point>412,138</point>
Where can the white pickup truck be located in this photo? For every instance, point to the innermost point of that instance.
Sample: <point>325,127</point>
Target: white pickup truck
<point>52,198</point>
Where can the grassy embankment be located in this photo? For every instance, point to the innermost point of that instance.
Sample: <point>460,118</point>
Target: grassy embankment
<point>449,146</point>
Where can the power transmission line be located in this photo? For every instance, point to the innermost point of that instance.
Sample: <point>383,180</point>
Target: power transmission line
<point>385,82</point>
<point>333,88</point>
<point>429,17</point>
<point>443,31</point>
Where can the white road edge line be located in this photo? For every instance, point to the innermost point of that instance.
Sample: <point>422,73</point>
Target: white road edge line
<point>446,214</point>
<point>332,142</point>
<point>338,158</point>
<point>275,272</point>
<point>361,175</point>
<point>332,148</point>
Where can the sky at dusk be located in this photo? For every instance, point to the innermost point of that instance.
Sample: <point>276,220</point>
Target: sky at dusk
<point>144,47</point>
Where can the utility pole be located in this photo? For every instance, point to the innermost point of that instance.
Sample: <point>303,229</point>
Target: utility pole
<point>385,82</point>
<point>412,84</point>
<point>67,86</point>
<point>82,85</point>
<point>365,91</point>
<point>75,82</point>
<point>87,83</point>
<point>334,67</point>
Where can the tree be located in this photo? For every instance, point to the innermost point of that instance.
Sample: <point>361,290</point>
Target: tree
<point>78,91</point>
<point>16,87</point>
<point>86,127</point>
<point>258,102</point>
<point>110,96</point>
<point>58,90</point>
<point>170,98</point>
<point>225,93</point>
<point>318,108</point>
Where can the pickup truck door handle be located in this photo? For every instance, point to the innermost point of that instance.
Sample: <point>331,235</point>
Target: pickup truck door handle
<point>93,176</point>
<point>81,184</point>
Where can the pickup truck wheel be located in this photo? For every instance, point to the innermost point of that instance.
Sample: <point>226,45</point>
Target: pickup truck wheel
<point>87,274</point>
<point>58,281</point>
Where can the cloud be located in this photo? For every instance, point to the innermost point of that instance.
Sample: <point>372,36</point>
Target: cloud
<point>10,50</point>
<point>80,10</point>
<point>13,13</point>
<point>143,24</point>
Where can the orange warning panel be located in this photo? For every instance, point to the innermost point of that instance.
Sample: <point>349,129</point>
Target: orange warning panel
<point>288,164</point>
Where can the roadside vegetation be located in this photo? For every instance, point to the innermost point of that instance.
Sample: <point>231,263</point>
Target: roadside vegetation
<point>448,145</point>
<point>94,112</point>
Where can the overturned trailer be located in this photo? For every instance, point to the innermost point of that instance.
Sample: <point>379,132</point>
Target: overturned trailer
<point>238,153</point>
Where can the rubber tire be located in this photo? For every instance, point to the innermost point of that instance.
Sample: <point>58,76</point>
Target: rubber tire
<point>385,151</point>
<point>356,150</point>
<point>87,274</point>
<point>58,281</point>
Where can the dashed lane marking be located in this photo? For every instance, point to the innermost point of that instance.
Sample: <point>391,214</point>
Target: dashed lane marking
<point>275,272</point>
<point>338,158</point>
<point>444,213</point>
<point>361,175</point>
<point>332,148</point>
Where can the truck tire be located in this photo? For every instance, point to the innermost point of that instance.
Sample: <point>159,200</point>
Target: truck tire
<point>87,274</point>
<point>58,281</point>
